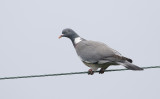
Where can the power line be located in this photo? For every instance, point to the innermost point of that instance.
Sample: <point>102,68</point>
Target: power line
<point>71,73</point>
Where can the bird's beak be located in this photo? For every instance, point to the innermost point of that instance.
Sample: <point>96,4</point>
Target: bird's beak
<point>60,36</point>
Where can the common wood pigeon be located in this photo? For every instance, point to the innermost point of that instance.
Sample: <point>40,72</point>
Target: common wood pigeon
<point>96,54</point>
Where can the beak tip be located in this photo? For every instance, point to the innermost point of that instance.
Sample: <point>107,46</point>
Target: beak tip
<point>59,36</point>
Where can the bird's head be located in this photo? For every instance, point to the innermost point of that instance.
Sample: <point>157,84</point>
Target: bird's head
<point>69,33</point>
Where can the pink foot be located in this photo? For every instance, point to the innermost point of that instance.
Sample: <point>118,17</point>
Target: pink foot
<point>101,71</point>
<point>90,72</point>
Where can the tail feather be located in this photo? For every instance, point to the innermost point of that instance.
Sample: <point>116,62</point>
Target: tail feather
<point>130,66</point>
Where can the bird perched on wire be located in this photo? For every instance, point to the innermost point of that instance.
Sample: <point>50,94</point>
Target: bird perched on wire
<point>96,54</point>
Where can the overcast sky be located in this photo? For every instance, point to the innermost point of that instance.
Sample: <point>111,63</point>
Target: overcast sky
<point>29,45</point>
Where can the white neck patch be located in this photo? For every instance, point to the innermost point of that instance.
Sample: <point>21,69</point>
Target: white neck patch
<point>77,40</point>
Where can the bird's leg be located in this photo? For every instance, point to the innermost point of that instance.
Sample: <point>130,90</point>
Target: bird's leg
<point>101,70</point>
<point>90,72</point>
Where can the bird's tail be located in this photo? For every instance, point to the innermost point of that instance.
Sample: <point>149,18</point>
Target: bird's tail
<point>130,65</point>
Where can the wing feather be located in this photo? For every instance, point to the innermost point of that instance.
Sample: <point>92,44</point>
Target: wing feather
<point>92,51</point>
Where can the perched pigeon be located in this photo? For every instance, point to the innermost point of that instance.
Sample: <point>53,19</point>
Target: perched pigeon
<point>96,54</point>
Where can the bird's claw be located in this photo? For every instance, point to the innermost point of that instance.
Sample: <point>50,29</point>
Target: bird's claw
<point>90,72</point>
<point>101,71</point>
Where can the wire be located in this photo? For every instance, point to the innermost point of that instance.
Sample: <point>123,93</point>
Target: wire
<point>71,73</point>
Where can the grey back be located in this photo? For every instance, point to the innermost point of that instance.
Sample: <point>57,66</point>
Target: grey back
<point>93,51</point>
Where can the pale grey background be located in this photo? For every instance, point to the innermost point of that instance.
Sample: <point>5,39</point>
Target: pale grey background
<point>29,44</point>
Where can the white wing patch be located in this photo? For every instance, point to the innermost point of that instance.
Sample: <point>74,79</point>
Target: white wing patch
<point>103,61</point>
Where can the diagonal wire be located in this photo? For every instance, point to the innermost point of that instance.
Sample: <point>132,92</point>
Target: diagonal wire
<point>71,73</point>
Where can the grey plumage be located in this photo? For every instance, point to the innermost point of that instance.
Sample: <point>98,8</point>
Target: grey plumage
<point>93,52</point>
<point>96,54</point>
